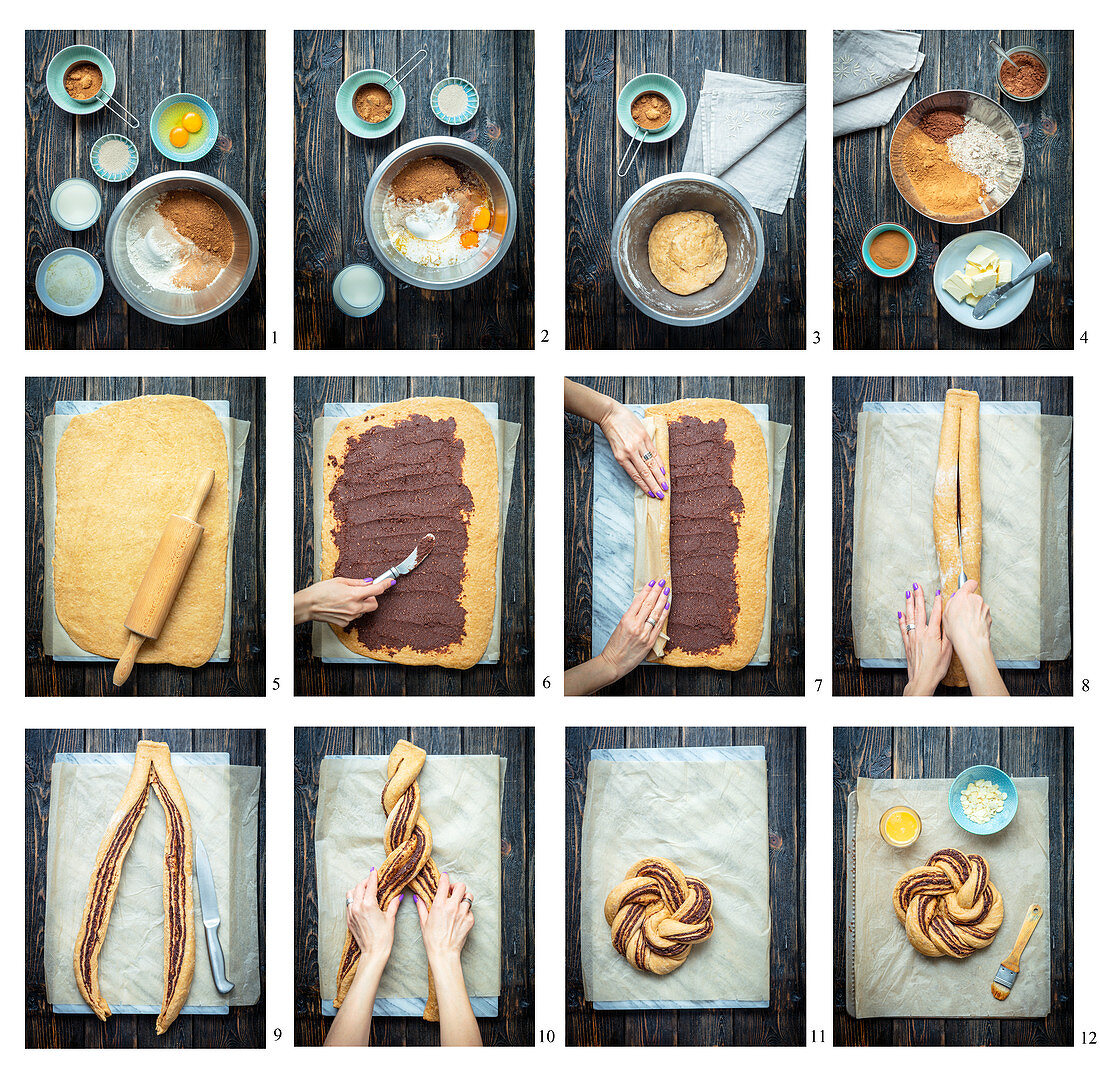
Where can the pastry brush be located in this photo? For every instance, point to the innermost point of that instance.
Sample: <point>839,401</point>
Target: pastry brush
<point>1010,969</point>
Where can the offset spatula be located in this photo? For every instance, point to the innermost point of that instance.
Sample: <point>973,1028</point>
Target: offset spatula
<point>422,549</point>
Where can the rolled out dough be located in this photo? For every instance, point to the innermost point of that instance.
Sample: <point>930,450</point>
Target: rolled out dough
<point>121,471</point>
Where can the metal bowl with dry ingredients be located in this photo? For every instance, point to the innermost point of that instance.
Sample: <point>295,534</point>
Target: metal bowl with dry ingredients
<point>687,192</point>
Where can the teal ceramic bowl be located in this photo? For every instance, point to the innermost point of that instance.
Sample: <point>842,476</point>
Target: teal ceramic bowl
<point>904,266</point>
<point>168,114</point>
<point>345,111</point>
<point>55,79</point>
<point>114,176</point>
<point>467,113</point>
<point>655,83</point>
<point>999,779</point>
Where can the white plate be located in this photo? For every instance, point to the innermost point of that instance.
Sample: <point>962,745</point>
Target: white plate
<point>953,258</point>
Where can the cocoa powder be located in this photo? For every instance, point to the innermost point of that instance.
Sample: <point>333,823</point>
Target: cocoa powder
<point>941,124</point>
<point>426,180</point>
<point>200,219</point>
<point>1026,78</point>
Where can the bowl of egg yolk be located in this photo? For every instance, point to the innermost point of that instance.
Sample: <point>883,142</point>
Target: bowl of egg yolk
<point>183,127</point>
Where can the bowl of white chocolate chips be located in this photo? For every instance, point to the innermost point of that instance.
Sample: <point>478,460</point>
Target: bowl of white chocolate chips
<point>687,249</point>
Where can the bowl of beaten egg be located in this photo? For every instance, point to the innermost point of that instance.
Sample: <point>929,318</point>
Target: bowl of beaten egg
<point>447,241</point>
<point>183,127</point>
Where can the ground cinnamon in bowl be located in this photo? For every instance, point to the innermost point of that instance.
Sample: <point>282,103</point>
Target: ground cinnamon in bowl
<point>372,103</point>
<point>651,110</point>
<point>1025,79</point>
<point>889,249</point>
<point>83,80</point>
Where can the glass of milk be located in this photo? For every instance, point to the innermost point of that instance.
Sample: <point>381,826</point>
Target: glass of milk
<point>75,204</point>
<point>358,290</point>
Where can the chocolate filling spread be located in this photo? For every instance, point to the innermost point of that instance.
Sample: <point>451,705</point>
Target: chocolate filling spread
<point>702,536</point>
<point>174,922</point>
<point>397,484</point>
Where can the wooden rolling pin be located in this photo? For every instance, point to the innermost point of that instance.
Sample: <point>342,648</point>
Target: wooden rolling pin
<point>163,577</point>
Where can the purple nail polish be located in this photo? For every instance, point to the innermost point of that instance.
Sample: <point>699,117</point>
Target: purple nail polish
<point>393,583</point>
<point>652,582</point>
<point>650,493</point>
<point>899,614</point>
<point>663,472</point>
<point>937,592</point>
<point>660,495</point>
<point>401,897</point>
<point>416,898</point>
<point>372,869</point>
<point>914,586</point>
<point>665,485</point>
<point>668,592</point>
<point>908,594</point>
<point>661,584</point>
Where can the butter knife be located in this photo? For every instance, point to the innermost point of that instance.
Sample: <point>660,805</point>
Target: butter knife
<point>421,550</point>
<point>986,303</point>
<point>211,918</point>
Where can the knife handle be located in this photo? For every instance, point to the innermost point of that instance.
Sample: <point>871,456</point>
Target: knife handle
<point>217,960</point>
<point>389,574</point>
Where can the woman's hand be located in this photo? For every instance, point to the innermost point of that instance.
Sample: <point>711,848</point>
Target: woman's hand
<point>338,601</point>
<point>371,928</point>
<point>967,622</point>
<point>927,648</point>
<point>447,923</point>
<point>634,635</point>
<point>630,443</point>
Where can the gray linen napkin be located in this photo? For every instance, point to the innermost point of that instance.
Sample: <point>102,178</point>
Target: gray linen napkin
<point>872,69</point>
<point>750,133</point>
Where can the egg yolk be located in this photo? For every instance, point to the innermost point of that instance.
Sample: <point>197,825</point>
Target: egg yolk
<point>179,137</point>
<point>469,240</point>
<point>192,122</point>
<point>481,218</point>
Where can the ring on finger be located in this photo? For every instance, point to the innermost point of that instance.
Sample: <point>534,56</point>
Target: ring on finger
<point>647,456</point>
<point>910,627</point>
<point>651,622</point>
<point>468,901</point>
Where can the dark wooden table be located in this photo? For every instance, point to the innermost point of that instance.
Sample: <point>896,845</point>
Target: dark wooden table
<point>849,678</point>
<point>598,63</point>
<point>225,68</point>
<point>514,673</point>
<point>903,313</point>
<point>333,168</point>
<point>514,1024</point>
<point>242,1027</point>
<point>784,1021</point>
<point>243,674</point>
<point>885,753</point>
<point>785,673</point>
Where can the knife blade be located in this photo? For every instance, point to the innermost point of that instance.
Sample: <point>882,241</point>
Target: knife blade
<point>959,521</point>
<point>420,551</point>
<point>211,917</point>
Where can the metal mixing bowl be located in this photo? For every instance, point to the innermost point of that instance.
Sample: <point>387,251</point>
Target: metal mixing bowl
<point>203,304</point>
<point>499,235</point>
<point>985,111</point>
<point>686,192</point>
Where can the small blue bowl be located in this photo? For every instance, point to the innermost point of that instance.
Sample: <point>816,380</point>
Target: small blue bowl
<point>467,113</point>
<point>168,113</point>
<point>114,176</point>
<point>999,779</point>
<point>69,310</point>
<point>904,266</point>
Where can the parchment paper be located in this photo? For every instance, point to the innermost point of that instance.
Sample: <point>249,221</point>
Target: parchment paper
<point>1025,529</point>
<point>710,817</point>
<point>892,979</point>
<point>223,801</point>
<point>506,436</point>
<point>647,532</point>
<point>460,800</point>
<point>55,640</point>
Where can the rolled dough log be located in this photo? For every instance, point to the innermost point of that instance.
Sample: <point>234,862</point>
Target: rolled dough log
<point>122,470</point>
<point>958,494</point>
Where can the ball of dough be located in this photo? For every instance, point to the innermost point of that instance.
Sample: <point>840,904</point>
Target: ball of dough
<point>687,251</point>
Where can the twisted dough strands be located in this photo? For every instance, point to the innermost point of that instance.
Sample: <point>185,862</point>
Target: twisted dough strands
<point>657,915</point>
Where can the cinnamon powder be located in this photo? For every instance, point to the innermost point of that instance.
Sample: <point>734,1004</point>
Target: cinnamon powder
<point>426,180</point>
<point>940,186</point>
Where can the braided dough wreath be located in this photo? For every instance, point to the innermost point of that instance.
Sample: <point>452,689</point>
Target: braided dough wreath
<point>657,914</point>
<point>950,906</point>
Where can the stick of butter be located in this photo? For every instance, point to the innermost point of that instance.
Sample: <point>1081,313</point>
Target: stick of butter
<point>1004,272</point>
<point>983,282</point>
<point>957,285</point>
<point>981,257</point>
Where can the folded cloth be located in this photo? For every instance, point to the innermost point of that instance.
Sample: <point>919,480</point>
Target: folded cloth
<point>750,133</point>
<point>872,69</point>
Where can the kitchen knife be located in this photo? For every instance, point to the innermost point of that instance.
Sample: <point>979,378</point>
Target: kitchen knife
<point>959,521</point>
<point>422,549</point>
<point>211,918</point>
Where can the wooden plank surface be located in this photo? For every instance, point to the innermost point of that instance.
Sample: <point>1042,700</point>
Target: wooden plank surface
<point>785,674</point>
<point>849,395</point>
<point>333,169</point>
<point>514,674</point>
<point>514,1024</point>
<point>226,68</point>
<point>243,674</point>
<point>883,753</point>
<point>598,63</point>
<point>903,313</point>
<point>784,1021</point>
<point>243,1027</point>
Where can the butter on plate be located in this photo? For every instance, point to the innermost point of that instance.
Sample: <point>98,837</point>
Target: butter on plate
<point>983,271</point>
